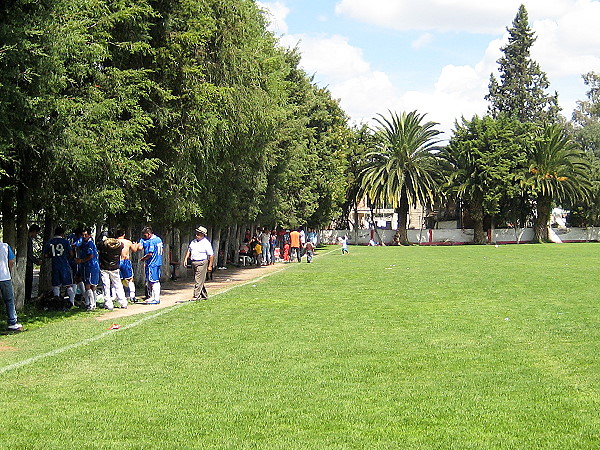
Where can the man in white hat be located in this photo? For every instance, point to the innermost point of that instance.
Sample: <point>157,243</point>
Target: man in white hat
<point>200,252</point>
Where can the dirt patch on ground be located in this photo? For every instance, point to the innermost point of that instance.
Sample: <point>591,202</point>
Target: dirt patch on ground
<point>6,348</point>
<point>173,292</point>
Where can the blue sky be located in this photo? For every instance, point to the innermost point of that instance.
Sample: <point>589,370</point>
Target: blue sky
<point>435,56</point>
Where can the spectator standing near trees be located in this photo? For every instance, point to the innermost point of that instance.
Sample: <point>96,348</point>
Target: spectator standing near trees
<point>295,245</point>
<point>265,243</point>
<point>7,261</point>
<point>91,269</point>
<point>58,250</point>
<point>109,254</point>
<point>152,246</point>
<point>201,253</point>
<point>125,267</point>
<point>272,246</point>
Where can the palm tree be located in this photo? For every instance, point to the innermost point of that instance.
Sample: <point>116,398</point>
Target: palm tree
<point>557,172</point>
<point>401,168</point>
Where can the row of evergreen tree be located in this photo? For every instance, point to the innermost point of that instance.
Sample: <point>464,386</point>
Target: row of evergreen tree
<point>165,112</point>
<point>174,111</point>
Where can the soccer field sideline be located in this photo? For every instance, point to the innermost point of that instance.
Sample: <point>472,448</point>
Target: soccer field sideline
<point>146,318</point>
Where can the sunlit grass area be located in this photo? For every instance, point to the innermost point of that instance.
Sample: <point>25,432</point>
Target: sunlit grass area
<point>395,347</point>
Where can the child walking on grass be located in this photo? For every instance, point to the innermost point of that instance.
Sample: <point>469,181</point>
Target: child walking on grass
<point>344,241</point>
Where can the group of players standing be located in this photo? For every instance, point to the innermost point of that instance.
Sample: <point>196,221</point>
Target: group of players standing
<point>78,262</point>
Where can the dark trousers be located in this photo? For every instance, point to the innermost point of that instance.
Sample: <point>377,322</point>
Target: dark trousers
<point>28,281</point>
<point>296,251</point>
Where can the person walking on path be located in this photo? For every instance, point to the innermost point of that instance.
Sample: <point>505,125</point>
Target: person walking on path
<point>153,251</point>
<point>7,261</point>
<point>109,254</point>
<point>295,245</point>
<point>200,252</point>
<point>310,251</point>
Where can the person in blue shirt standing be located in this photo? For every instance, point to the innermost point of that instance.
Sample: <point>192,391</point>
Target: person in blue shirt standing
<point>7,261</point>
<point>91,268</point>
<point>58,249</point>
<point>153,251</point>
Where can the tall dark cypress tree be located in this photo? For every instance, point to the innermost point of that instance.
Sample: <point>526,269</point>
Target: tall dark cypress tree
<point>521,91</point>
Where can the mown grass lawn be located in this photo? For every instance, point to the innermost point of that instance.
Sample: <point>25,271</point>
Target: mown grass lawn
<point>411,347</point>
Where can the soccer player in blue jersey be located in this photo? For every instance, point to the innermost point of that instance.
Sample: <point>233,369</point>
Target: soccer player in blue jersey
<point>125,266</point>
<point>91,268</point>
<point>153,251</point>
<point>59,250</point>
<point>76,239</point>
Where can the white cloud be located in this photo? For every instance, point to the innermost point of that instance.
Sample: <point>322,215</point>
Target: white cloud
<point>332,57</point>
<point>422,41</point>
<point>276,14</point>
<point>566,47</point>
<point>473,16</point>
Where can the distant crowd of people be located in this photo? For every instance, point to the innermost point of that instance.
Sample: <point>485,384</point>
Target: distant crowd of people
<point>266,246</point>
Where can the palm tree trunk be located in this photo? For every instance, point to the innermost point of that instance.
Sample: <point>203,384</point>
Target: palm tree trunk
<point>402,211</point>
<point>540,227</point>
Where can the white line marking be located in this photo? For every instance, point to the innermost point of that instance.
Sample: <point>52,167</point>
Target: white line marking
<point>66,348</point>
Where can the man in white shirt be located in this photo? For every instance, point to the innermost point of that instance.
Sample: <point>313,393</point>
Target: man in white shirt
<point>7,261</point>
<point>200,252</point>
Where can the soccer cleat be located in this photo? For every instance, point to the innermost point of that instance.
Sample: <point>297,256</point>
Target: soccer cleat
<point>15,327</point>
<point>152,302</point>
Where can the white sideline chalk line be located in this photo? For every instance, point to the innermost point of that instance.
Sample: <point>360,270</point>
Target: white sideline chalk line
<point>66,348</point>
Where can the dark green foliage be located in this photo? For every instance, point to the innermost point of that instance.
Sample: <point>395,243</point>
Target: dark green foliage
<point>521,91</point>
<point>484,159</point>
<point>586,119</point>
<point>162,111</point>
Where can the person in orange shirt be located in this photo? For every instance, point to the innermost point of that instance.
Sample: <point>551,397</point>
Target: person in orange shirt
<point>295,245</point>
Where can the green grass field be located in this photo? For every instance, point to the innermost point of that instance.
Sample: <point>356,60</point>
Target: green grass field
<point>470,347</point>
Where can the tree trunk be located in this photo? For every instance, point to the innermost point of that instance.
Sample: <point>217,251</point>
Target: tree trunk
<point>45,279</point>
<point>9,226</point>
<point>402,211</point>
<point>540,226</point>
<point>227,249</point>
<point>476,210</point>
<point>374,225</point>
<point>18,276</point>
<point>356,225</point>
<point>237,242</point>
<point>216,243</point>
<point>166,267</point>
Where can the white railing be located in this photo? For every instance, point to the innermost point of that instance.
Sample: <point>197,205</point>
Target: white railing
<point>461,236</point>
